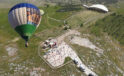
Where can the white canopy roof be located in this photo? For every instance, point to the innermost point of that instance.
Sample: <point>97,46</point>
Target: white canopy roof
<point>99,6</point>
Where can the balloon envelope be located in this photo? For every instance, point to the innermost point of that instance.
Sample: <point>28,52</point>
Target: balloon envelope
<point>24,18</point>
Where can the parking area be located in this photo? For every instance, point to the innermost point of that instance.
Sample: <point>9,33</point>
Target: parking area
<point>56,57</point>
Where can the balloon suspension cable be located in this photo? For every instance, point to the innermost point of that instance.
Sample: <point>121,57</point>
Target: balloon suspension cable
<point>26,44</point>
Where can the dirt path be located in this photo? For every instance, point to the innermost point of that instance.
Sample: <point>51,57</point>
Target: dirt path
<point>69,32</point>
<point>86,43</point>
<point>55,19</point>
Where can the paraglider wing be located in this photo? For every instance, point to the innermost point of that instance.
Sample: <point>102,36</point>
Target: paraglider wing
<point>24,18</point>
<point>41,12</point>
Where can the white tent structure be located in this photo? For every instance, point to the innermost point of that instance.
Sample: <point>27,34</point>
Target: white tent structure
<point>97,7</point>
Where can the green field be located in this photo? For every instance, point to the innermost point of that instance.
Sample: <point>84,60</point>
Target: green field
<point>106,64</point>
<point>47,28</point>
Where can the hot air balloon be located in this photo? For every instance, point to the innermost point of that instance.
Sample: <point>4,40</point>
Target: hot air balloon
<point>24,18</point>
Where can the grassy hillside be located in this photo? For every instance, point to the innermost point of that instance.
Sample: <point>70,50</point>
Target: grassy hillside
<point>109,63</point>
<point>27,57</point>
<point>112,24</point>
<point>41,2</point>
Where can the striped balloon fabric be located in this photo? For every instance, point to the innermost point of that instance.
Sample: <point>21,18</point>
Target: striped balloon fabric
<point>24,18</point>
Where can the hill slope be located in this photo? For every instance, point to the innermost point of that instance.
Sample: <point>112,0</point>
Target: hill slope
<point>113,25</point>
<point>16,60</point>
